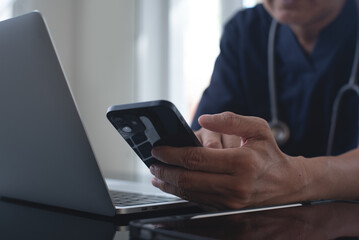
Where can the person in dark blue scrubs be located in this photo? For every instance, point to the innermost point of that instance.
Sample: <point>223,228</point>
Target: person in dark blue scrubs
<point>307,79</point>
<point>241,164</point>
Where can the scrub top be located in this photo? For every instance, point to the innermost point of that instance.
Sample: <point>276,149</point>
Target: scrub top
<point>306,84</point>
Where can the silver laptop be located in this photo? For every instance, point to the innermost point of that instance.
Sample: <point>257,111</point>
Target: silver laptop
<point>45,155</point>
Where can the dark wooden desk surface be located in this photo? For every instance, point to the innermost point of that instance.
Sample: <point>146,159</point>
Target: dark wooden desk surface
<point>23,220</point>
<point>20,220</point>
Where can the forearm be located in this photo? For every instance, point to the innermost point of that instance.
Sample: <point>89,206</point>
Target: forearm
<point>332,177</point>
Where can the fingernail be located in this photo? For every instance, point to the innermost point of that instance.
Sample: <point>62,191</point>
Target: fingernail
<point>153,169</point>
<point>155,181</point>
<point>154,152</point>
<point>205,118</point>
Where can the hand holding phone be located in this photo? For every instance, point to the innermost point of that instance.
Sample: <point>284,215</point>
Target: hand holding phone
<point>145,125</point>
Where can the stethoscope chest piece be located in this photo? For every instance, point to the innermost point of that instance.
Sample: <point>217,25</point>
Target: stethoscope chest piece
<point>280,132</point>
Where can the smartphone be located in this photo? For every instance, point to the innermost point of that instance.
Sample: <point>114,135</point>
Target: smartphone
<point>145,125</point>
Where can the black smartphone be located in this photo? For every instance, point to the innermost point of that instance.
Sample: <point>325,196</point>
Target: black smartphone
<point>145,125</point>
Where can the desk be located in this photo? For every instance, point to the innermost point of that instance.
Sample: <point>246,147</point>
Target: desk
<point>323,221</point>
<point>23,220</point>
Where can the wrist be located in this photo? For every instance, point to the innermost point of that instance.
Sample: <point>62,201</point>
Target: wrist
<point>317,179</point>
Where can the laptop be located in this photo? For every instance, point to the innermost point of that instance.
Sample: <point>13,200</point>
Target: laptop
<point>45,155</point>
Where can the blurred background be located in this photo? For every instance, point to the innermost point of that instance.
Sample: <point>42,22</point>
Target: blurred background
<point>123,51</point>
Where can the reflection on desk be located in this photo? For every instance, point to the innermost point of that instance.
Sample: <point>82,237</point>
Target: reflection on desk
<point>23,220</point>
<point>320,221</point>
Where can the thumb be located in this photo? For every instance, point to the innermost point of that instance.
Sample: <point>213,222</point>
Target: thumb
<point>233,124</point>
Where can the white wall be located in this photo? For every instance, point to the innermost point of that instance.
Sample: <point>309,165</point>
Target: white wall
<point>229,8</point>
<point>118,51</point>
<point>95,42</point>
<point>152,49</point>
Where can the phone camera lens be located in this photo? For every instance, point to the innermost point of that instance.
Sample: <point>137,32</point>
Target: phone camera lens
<point>127,129</point>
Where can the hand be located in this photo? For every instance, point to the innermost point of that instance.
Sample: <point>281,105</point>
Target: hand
<point>256,173</point>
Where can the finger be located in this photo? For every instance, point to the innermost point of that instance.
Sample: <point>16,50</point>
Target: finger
<point>233,124</point>
<point>200,158</point>
<point>214,200</point>
<point>209,139</point>
<point>193,180</point>
<point>231,141</point>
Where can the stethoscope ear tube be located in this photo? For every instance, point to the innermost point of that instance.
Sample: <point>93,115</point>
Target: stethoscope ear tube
<point>279,129</point>
<point>350,86</point>
<point>333,123</point>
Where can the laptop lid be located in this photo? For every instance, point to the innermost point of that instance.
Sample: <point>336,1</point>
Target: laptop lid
<point>45,155</point>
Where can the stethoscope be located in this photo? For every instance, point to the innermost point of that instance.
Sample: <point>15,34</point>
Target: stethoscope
<point>280,130</point>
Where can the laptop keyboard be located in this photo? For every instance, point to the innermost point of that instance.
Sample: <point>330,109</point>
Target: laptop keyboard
<point>124,199</point>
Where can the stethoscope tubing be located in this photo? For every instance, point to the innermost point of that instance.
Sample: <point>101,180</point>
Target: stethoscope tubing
<point>333,122</point>
<point>271,72</point>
